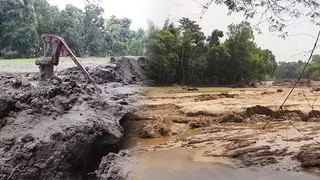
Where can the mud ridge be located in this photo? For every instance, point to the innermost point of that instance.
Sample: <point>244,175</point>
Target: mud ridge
<point>309,157</point>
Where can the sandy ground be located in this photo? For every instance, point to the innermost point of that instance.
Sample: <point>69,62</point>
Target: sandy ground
<point>268,97</point>
<point>218,128</point>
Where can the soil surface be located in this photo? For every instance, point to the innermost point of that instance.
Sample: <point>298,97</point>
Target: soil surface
<point>63,127</point>
<point>227,128</point>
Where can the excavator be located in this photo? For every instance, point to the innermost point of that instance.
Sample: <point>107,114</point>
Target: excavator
<point>58,48</point>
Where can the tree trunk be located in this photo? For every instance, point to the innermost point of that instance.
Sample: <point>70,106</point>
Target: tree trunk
<point>182,66</point>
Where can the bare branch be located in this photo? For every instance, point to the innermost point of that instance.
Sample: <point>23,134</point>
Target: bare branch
<point>275,11</point>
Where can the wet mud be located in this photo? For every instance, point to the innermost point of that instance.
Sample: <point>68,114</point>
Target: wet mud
<point>63,128</point>
<point>229,130</point>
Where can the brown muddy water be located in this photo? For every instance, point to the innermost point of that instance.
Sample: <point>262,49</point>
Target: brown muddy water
<point>175,164</point>
<point>182,163</point>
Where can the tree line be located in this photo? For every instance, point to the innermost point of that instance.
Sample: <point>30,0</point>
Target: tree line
<point>86,31</point>
<point>180,53</point>
<point>293,70</point>
<point>184,54</point>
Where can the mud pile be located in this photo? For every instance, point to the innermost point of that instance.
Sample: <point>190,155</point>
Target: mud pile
<point>261,113</point>
<point>159,127</point>
<point>62,127</point>
<point>309,157</point>
<point>115,166</point>
<point>127,70</point>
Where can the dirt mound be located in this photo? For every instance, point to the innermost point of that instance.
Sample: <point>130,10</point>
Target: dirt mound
<point>103,74</point>
<point>202,122</point>
<point>231,118</point>
<point>310,157</point>
<point>199,113</point>
<point>280,90</point>
<point>59,128</point>
<point>259,110</point>
<point>159,127</point>
<point>258,114</point>
<point>115,166</point>
<point>314,114</point>
<point>127,70</point>
<point>208,97</point>
<point>294,115</point>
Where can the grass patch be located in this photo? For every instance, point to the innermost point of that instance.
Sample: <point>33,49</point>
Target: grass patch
<point>201,89</point>
<point>8,62</point>
<point>30,62</point>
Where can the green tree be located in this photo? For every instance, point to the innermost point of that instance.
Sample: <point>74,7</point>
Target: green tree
<point>71,28</point>
<point>17,35</point>
<point>27,10</point>
<point>86,31</point>
<point>240,43</point>
<point>207,60</point>
<point>163,56</point>
<point>314,68</point>
<point>291,70</point>
<point>214,39</point>
<point>119,48</point>
<point>94,26</point>
<point>193,48</point>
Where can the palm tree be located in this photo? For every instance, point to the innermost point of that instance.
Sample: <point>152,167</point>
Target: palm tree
<point>28,10</point>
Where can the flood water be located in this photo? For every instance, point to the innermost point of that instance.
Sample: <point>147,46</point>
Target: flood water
<point>176,164</point>
<point>179,164</point>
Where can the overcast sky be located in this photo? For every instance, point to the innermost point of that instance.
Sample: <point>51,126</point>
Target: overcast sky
<point>215,18</point>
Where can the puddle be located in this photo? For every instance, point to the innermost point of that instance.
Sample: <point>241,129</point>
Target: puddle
<point>176,164</point>
<point>189,163</point>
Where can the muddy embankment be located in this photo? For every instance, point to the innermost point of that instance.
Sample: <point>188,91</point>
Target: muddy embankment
<point>62,128</point>
<point>236,137</point>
